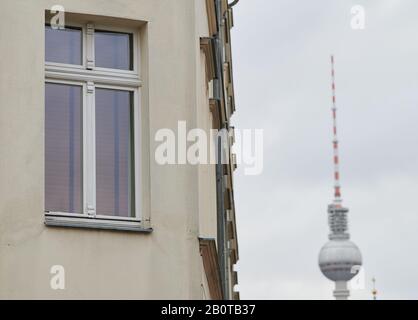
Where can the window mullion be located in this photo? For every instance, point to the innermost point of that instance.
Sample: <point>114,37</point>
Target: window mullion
<point>90,46</point>
<point>90,152</point>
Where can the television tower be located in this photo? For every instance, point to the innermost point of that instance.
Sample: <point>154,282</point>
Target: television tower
<point>339,259</point>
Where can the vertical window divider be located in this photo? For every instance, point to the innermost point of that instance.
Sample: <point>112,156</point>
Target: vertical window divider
<point>90,151</point>
<point>90,46</point>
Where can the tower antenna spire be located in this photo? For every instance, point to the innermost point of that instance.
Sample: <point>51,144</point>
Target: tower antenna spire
<point>337,187</point>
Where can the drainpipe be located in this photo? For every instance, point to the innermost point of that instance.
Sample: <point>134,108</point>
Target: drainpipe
<point>220,185</point>
<point>220,217</point>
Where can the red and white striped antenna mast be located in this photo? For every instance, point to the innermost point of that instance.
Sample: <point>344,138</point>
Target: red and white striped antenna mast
<point>337,187</point>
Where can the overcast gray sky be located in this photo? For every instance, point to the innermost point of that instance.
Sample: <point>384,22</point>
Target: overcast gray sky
<point>282,80</point>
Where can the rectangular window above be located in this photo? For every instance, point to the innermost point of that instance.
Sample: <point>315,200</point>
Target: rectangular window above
<point>113,50</point>
<point>64,45</point>
<point>92,128</point>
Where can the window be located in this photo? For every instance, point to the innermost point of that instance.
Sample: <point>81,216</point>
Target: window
<point>113,50</point>
<point>92,116</point>
<point>63,152</point>
<point>114,152</point>
<point>63,45</point>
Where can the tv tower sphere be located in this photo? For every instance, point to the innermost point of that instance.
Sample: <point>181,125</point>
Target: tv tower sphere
<point>338,260</point>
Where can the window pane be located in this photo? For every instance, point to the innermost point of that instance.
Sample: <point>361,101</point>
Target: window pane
<point>63,46</point>
<point>63,148</point>
<point>113,50</point>
<point>114,153</point>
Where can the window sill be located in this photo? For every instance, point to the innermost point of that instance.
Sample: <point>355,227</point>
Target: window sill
<point>52,220</point>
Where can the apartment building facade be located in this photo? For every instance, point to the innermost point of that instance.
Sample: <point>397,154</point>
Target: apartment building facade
<point>86,211</point>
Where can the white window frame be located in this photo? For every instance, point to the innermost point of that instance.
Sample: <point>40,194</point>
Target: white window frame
<point>90,77</point>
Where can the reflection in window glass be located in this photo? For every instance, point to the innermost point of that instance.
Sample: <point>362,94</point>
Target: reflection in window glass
<point>63,148</point>
<point>113,50</point>
<point>63,46</point>
<point>114,153</point>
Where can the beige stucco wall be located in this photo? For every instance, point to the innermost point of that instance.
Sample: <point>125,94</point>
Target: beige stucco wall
<point>103,264</point>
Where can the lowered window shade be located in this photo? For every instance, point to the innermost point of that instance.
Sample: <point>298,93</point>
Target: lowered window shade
<point>114,153</point>
<point>113,50</point>
<point>63,148</point>
<point>63,45</point>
